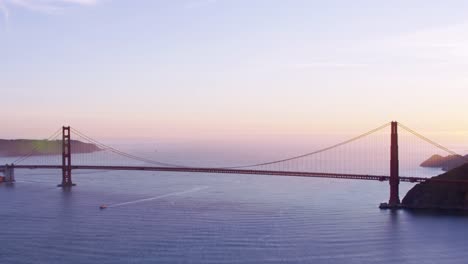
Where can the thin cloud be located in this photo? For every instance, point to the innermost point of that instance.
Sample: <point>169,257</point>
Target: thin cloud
<point>81,2</point>
<point>45,6</point>
<point>439,46</point>
<point>33,5</point>
<point>199,3</point>
<point>5,12</point>
<point>326,65</point>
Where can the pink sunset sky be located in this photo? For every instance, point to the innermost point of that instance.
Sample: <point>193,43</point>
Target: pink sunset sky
<point>237,70</point>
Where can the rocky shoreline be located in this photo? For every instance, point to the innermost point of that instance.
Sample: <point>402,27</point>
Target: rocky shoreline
<point>440,195</point>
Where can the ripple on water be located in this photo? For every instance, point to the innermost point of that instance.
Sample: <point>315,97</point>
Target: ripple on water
<point>230,220</point>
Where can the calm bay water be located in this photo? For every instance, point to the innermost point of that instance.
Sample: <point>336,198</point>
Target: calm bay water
<point>156,217</point>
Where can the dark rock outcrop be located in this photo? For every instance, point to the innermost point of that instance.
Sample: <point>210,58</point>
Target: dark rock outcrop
<point>21,147</point>
<point>440,195</point>
<point>445,163</point>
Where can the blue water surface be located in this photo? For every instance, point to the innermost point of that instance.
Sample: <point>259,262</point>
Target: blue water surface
<point>155,217</point>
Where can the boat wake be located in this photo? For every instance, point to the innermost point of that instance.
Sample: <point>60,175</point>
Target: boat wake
<point>192,190</point>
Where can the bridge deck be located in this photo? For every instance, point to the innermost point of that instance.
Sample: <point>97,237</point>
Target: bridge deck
<point>240,171</point>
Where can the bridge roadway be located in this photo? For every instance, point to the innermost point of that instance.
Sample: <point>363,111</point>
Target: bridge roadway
<point>240,171</point>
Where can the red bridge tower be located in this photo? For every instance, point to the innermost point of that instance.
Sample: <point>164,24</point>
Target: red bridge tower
<point>66,158</point>
<point>394,168</point>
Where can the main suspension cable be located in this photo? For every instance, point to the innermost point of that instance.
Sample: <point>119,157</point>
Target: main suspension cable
<point>433,142</point>
<point>118,152</point>
<point>131,156</point>
<point>314,152</point>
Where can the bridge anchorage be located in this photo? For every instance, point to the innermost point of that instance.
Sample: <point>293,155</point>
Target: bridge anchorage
<point>8,172</point>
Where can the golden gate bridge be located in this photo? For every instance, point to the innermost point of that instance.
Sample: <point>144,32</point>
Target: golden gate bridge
<point>296,166</point>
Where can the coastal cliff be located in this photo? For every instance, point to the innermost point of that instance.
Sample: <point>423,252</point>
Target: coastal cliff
<point>445,163</point>
<point>21,147</point>
<point>436,195</point>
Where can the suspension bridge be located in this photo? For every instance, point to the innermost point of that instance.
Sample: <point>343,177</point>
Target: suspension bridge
<point>315,164</point>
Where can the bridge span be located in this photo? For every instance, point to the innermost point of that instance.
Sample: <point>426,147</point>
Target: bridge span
<point>344,176</point>
<point>266,168</point>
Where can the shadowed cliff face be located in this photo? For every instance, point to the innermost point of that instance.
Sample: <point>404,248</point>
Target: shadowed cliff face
<point>21,147</point>
<point>435,195</point>
<point>445,163</point>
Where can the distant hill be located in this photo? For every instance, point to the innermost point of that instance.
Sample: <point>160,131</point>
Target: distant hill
<point>437,195</point>
<point>445,163</point>
<point>21,147</point>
